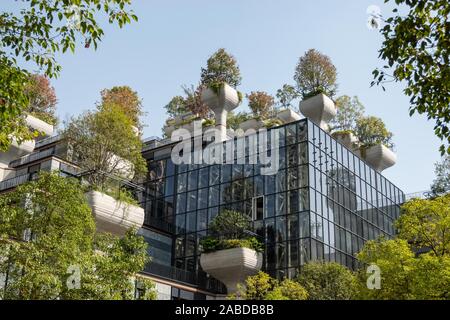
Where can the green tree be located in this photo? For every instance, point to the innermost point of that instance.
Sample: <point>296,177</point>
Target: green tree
<point>286,95</point>
<point>314,74</point>
<point>396,262</point>
<point>372,131</point>
<point>232,224</point>
<point>349,111</point>
<point>35,34</point>
<point>235,119</point>
<point>426,224</point>
<point>417,51</point>
<point>263,287</point>
<point>221,68</point>
<point>287,290</point>
<point>441,185</point>
<point>261,103</point>
<point>104,143</point>
<point>47,231</point>
<point>327,281</point>
<point>125,98</point>
<point>176,106</point>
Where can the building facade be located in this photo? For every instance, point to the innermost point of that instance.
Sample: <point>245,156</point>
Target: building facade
<point>323,203</point>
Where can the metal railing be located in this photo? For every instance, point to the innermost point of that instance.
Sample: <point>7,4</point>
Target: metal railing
<point>47,141</point>
<point>33,157</point>
<point>14,182</point>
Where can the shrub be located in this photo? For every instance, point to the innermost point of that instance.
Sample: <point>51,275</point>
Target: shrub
<point>315,73</point>
<point>372,131</point>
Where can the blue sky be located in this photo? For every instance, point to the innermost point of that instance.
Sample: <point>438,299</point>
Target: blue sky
<point>173,39</point>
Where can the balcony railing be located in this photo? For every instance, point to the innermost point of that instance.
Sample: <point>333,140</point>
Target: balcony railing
<point>33,157</point>
<point>14,182</point>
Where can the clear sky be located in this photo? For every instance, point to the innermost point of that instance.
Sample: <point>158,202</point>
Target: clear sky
<point>173,39</point>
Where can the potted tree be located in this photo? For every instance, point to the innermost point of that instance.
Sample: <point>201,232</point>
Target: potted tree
<point>229,253</point>
<point>107,149</point>
<point>316,81</point>
<point>285,96</point>
<point>375,143</point>
<point>261,105</point>
<point>342,127</point>
<point>218,84</point>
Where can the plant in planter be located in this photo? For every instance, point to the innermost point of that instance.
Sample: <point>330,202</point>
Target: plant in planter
<point>261,104</point>
<point>219,81</point>
<point>286,95</point>
<point>105,145</point>
<point>234,120</point>
<point>229,253</point>
<point>375,142</point>
<point>349,111</point>
<point>127,100</point>
<point>315,76</point>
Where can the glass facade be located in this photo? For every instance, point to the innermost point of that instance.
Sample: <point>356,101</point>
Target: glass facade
<point>322,204</point>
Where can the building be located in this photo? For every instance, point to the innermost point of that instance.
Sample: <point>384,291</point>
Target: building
<point>322,203</point>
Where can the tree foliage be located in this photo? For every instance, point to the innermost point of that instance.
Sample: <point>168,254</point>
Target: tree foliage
<point>287,290</point>
<point>441,185</point>
<point>125,98</point>
<point>47,231</point>
<point>221,68</point>
<point>349,111</point>
<point>176,106</point>
<point>417,51</point>
<point>230,224</point>
<point>286,95</point>
<point>314,74</point>
<point>261,103</point>
<point>42,98</point>
<point>35,34</point>
<point>327,281</point>
<point>104,143</point>
<point>372,131</point>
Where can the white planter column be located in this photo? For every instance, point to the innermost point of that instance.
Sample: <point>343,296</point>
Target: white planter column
<point>319,109</point>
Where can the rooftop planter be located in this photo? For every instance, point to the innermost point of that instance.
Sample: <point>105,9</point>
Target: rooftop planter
<point>230,254</point>
<point>288,115</point>
<point>320,109</point>
<point>379,157</point>
<point>114,216</point>
<point>231,266</point>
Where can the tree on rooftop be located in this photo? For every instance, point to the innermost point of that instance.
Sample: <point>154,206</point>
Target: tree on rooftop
<point>35,34</point>
<point>261,103</point>
<point>125,98</point>
<point>47,240</point>
<point>221,68</point>
<point>416,50</point>
<point>101,141</point>
<point>349,111</point>
<point>176,106</point>
<point>314,74</point>
<point>286,95</point>
<point>372,131</point>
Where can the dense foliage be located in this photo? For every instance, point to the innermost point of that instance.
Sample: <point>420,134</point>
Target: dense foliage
<point>125,98</point>
<point>104,143</point>
<point>314,74</point>
<point>372,131</point>
<point>417,51</point>
<point>47,233</point>
<point>35,34</point>
<point>286,95</point>
<point>221,68</point>
<point>261,104</point>
<point>42,98</point>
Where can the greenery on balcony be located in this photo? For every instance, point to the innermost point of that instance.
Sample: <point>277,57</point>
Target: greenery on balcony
<point>228,230</point>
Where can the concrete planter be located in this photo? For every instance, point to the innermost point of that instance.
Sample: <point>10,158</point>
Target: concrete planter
<point>379,157</point>
<point>251,124</point>
<point>226,100</point>
<point>231,266</point>
<point>288,115</point>
<point>347,139</point>
<point>113,216</point>
<point>43,127</point>
<point>319,109</point>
